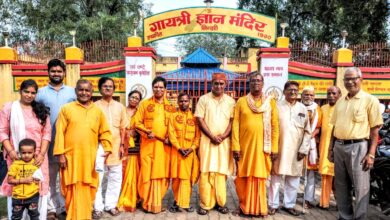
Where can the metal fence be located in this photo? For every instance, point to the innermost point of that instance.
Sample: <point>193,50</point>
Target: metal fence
<point>317,53</point>
<point>39,52</point>
<point>200,84</point>
<point>312,52</point>
<point>103,50</point>
<point>371,54</point>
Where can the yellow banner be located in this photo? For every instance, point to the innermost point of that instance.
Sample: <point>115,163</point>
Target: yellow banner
<point>209,20</point>
<point>40,80</point>
<point>377,87</point>
<point>320,86</point>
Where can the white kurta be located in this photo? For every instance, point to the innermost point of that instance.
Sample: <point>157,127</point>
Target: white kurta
<point>294,137</point>
<point>216,114</point>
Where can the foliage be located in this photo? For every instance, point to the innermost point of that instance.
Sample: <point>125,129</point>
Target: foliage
<point>12,21</point>
<point>323,20</point>
<point>215,44</point>
<point>267,7</point>
<point>53,19</point>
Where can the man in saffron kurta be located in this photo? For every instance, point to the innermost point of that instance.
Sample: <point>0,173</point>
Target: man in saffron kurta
<point>184,135</point>
<point>80,126</point>
<point>255,135</point>
<point>214,112</point>
<point>315,116</point>
<point>151,120</point>
<point>326,168</point>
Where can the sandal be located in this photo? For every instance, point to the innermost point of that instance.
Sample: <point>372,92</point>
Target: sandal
<point>190,209</point>
<point>222,209</point>
<point>308,205</point>
<point>272,211</point>
<point>97,214</point>
<point>114,212</point>
<point>51,216</point>
<point>174,208</point>
<point>238,213</point>
<point>291,211</point>
<point>203,211</point>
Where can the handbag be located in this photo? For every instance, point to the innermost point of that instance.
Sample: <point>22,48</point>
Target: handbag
<point>3,168</point>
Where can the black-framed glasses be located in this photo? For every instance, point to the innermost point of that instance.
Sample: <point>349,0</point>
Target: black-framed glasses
<point>292,90</point>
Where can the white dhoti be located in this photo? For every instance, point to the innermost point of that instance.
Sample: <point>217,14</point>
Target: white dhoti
<point>291,184</point>
<point>114,184</point>
<point>310,186</point>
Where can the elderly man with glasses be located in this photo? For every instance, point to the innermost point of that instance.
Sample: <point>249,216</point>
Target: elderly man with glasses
<point>356,120</point>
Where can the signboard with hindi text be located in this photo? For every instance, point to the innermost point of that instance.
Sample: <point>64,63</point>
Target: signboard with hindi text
<point>275,73</point>
<point>139,75</point>
<point>209,20</point>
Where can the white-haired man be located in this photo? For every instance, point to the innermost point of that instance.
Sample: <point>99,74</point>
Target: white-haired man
<point>311,162</point>
<point>356,118</point>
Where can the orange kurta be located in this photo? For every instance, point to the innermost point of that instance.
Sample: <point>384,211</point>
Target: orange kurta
<point>79,129</point>
<point>129,193</point>
<point>154,155</point>
<point>254,165</point>
<point>183,134</point>
<point>326,168</point>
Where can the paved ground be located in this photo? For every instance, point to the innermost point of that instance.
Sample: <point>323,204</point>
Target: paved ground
<point>232,203</point>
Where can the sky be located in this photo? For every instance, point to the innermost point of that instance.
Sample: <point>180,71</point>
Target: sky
<point>166,47</point>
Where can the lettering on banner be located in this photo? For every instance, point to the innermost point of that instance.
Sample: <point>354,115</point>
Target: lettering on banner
<point>184,19</point>
<point>209,28</point>
<point>198,20</point>
<point>376,86</point>
<point>137,70</point>
<point>210,18</point>
<point>247,20</point>
<point>320,86</point>
<point>41,81</point>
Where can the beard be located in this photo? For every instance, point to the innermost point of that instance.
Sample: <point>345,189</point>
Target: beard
<point>307,102</point>
<point>56,81</point>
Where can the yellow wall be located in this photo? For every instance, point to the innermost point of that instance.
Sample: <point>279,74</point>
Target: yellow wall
<point>237,67</point>
<point>165,67</point>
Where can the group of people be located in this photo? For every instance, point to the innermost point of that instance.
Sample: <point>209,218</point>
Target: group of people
<point>144,148</point>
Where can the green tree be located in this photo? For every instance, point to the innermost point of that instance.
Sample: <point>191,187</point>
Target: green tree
<point>267,7</point>
<point>92,19</point>
<point>12,21</point>
<point>216,44</point>
<point>323,20</point>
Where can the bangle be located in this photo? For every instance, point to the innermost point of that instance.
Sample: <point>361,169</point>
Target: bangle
<point>371,156</point>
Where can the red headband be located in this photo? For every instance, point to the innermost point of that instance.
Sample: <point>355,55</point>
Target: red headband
<point>218,76</point>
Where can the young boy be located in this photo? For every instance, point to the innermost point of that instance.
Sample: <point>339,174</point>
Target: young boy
<point>25,192</point>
